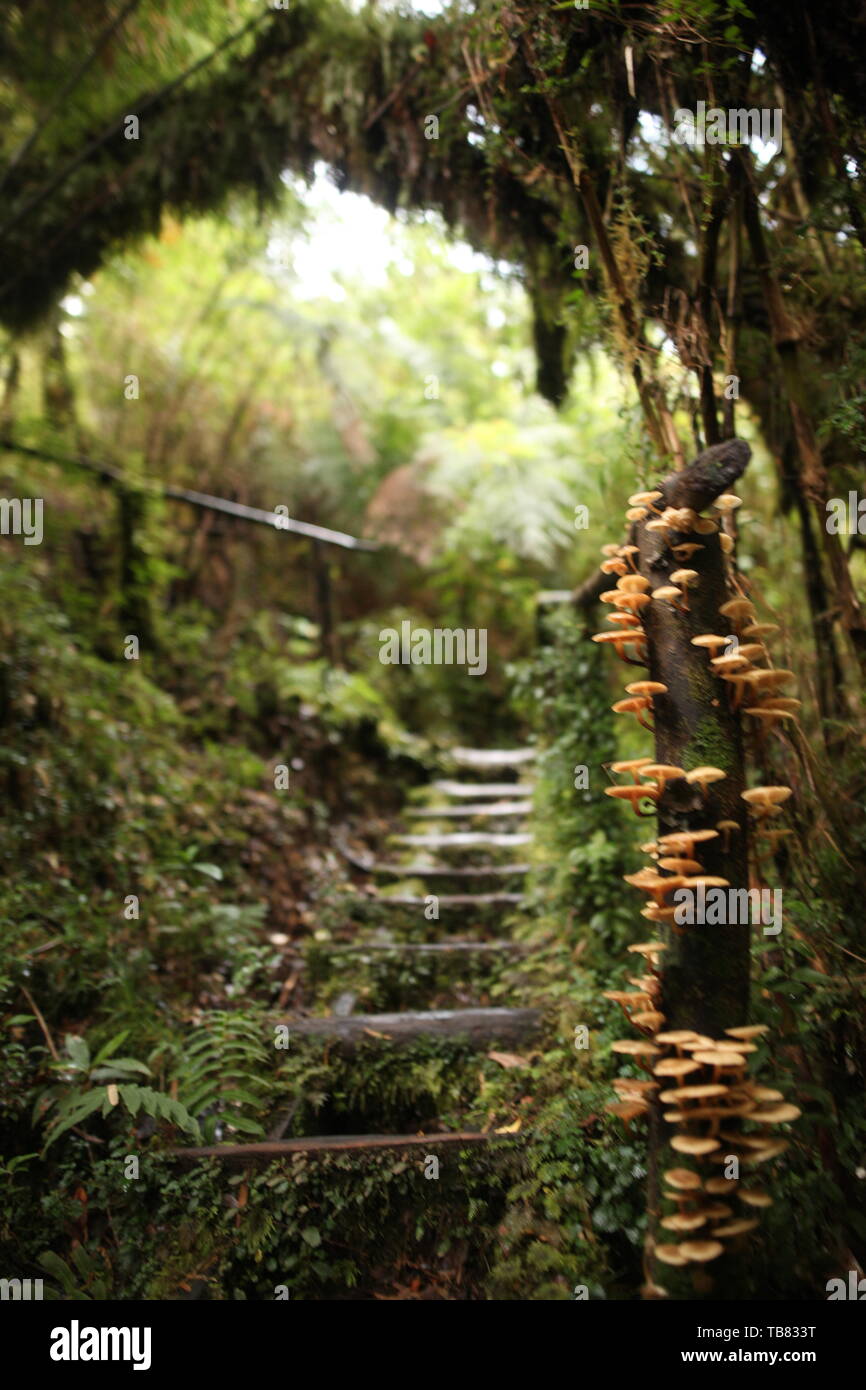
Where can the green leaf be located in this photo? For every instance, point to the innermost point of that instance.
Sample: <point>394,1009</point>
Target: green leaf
<point>311,1236</point>
<point>211,870</point>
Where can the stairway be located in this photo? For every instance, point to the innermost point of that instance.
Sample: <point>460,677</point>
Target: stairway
<point>475,1027</point>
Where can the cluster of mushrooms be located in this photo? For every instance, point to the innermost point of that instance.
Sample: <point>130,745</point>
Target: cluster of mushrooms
<point>716,1112</point>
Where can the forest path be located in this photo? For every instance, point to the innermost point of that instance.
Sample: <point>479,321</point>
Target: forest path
<point>472,1026</point>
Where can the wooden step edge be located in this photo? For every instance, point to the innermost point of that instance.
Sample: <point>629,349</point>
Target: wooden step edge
<point>472,811</point>
<point>492,757</point>
<point>449,900</point>
<point>333,1143</point>
<point>464,839</point>
<point>430,947</point>
<point>476,1026</point>
<point>468,790</point>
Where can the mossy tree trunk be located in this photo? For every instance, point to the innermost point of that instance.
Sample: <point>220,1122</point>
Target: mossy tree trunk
<point>706,968</point>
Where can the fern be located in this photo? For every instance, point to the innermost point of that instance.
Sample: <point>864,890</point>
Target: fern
<point>223,1076</point>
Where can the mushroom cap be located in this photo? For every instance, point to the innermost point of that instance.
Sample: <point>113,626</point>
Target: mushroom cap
<point>658,525</point>
<point>716,1186</point>
<point>706,881</point>
<point>728,502</point>
<point>710,1090</point>
<point>650,1018</point>
<point>760,629</point>
<point>770,1150</point>
<point>662,772</point>
<point>683,1179</point>
<point>633,584</point>
<point>679,1035</point>
<point>627,1109</point>
<point>667,591</point>
<point>631,705</point>
<point>777,1115</point>
<point>692,1144</point>
<point>720,1057</point>
<point>630,764</point>
<point>633,1085</point>
<point>611,549</point>
<point>748,1031</point>
<point>770,679</point>
<point>680,866</point>
<point>646,688</point>
<point>670,1255</point>
<point>683,1221</point>
<point>727,825</point>
<point>647,948</point>
<point>767,796</point>
<point>675,1066</point>
<point>736,1228</point>
<point>738,608</point>
<point>704,775</point>
<point>679,838</point>
<point>726,543</point>
<point>684,577</point>
<point>617,638</point>
<point>635,513</point>
<point>709,640</point>
<point>732,662</point>
<point>631,791</point>
<point>769,716</point>
<point>626,599</point>
<point>620,619</point>
<point>701,1250</point>
<point>641,499</point>
<point>635,1047</point>
<point>705,526</point>
<point>686,550</point>
<point>613,566</point>
<point>755,1197</point>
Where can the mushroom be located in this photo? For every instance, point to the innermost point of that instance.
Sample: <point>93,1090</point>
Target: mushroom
<point>760,629</point>
<point>703,776</point>
<point>634,705</point>
<point>669,593</point>
<point>662,773</point>
<point>686,579</point>
<point>740,610</point>
<point>633,584</point>
<point>633,793</point>
<point>727,828</point>
<point>629,552</point>
<point>631,765</point>
<point>614,566</point>
<point>726,543</point>
<point>755,1197</point>
<point>748,1031</point>
<point>636,513</point>
<point>683,1179</point>
<point>680,866</point>
<point>675,1066</point>
<point>713,643</point>
<point>728,502</point>
<point>693,1144</point>
<point>644,499</point>
<point>670,1255</point>
<point>766,800</point>
<point>701,1250</point>
<point>736,1228</point>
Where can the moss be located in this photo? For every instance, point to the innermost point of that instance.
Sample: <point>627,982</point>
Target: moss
<point>708,747</point>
